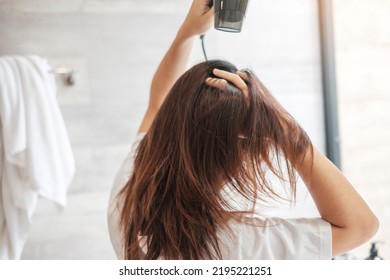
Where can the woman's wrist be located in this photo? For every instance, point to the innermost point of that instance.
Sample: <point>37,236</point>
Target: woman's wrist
<point>184,34</point>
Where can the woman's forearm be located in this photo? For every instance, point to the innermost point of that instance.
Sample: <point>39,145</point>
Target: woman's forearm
<point>199,19</point>
<point>171,68</point>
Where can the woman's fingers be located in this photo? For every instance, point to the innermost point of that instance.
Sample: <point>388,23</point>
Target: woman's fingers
<point>235,79</point>
<point>244,75</point>
<point>231,77</point>
<point>217,83</point>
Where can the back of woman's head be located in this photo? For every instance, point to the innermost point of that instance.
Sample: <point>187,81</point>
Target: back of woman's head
<point>202,139</point>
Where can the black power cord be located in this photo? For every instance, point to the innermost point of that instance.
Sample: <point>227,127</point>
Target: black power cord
<point>203,47</point>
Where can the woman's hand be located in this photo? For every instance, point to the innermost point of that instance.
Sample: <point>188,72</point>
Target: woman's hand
<point>237,79</point>
<point>199,19</point>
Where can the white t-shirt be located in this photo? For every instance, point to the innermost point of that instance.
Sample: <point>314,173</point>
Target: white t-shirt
<point>252,238</point>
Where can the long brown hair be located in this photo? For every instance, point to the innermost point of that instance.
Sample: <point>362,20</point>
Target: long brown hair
<point>201,139</point>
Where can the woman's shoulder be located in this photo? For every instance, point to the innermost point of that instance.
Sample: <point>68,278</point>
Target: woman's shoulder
<point>126,167</point>
<point>122,177</point>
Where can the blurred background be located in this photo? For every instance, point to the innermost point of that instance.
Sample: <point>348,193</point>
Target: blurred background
<point>115,47</point>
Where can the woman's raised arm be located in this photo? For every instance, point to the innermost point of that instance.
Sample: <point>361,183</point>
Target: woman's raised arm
<point>353,222</point>
<point>174,63</point>
<point>338,203</point>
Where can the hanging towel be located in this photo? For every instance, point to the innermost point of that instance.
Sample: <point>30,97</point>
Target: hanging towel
<point>36,156</point>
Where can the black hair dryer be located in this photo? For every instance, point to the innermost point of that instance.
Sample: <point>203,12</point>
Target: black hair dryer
<point>229,14</point>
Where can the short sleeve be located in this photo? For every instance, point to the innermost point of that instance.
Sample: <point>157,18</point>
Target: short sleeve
<point>282,239</point>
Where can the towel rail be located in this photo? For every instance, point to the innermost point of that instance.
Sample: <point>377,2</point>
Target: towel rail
<point>68,74</point>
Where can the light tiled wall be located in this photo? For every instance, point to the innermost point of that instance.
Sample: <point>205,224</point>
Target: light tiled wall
<point>362,40</point>
<point>115,45</point>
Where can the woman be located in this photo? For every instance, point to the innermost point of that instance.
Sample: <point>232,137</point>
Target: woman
<point>211,132</point>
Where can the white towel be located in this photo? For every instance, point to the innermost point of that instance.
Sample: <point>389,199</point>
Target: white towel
<point>37,158</point>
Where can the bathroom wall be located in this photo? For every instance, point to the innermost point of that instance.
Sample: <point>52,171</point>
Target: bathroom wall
<point>115,46</point>
<point>362,41</point>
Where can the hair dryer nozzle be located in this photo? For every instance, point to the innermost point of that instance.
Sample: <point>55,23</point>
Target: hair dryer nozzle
<point>229,14</point>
